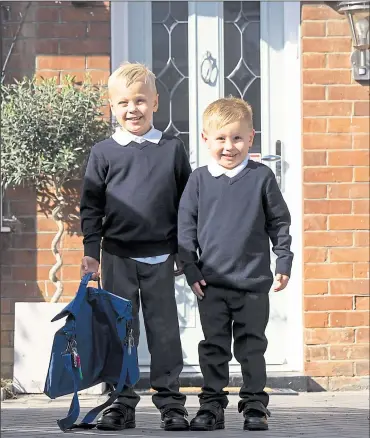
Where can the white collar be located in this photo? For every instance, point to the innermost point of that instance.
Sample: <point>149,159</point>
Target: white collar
<point>216,170</point>
<point>124,137</point>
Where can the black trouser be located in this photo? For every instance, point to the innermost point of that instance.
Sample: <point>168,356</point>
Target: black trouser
<point>243,314</point>
<point>125,277</point>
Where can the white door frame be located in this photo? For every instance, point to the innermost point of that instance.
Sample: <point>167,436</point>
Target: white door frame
<point>124,15</point>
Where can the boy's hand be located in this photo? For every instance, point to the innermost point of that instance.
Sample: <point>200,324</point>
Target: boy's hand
<point>197,288</point>
<point>281,282</point>
<point>89,264</point>
<point>179,266</point>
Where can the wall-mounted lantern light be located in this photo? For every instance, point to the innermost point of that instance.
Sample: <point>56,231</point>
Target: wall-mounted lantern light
<point>357,13</point>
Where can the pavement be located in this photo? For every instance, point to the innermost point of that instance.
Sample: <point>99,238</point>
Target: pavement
<point>303,415</point>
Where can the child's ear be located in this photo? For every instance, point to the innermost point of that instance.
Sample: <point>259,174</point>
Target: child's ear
<point>251,137</point>
<point>204,137</point>
<point>156,103</point>
<point>111,106</point>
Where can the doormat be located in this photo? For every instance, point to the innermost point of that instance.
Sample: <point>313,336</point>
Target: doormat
<point>231,390</point>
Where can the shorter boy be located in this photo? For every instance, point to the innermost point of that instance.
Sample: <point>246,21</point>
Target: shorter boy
<point>228,212</point>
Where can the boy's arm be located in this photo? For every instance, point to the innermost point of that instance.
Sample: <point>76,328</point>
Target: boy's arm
<point>277,224</point>
<point>92,204</point>
<point>187,231</point>
<point>182,169</point>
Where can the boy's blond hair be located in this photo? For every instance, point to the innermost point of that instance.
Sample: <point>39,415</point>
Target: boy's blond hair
<point>226,110</point>
<point>131,73</point>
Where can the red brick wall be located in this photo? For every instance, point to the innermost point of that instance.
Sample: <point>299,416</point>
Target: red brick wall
<point>56,39</point>
<point>336,203</point>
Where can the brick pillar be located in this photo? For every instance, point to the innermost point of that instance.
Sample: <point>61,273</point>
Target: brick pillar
<point>336,204</point>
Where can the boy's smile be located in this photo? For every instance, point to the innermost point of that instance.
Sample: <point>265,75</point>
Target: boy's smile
<point>229,145</point>
<point>134,106</point>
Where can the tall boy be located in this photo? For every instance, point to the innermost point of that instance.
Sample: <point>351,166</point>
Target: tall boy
<point>131,192</point>
<point>228,212</point>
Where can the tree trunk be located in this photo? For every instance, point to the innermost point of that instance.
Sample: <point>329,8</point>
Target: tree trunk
<point>57,216</point>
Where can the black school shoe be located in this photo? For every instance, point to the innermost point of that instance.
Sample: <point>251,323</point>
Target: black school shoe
<point>208,419</point>
<point>174,419</point>
<point>255,420</point>
<point>117,417</point>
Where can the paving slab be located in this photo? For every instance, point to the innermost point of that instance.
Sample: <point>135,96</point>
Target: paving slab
<point>308,415</point>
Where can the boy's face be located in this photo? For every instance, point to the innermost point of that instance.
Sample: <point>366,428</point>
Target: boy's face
<point>230,144</point>
<point>133,106</point>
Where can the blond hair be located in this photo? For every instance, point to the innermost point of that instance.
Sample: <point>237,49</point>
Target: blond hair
<point>227,110</point>
<point>131,73</point>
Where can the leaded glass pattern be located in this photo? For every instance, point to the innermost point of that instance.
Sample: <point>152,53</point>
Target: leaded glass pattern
<point>242,57</point>
<point>170,65</point>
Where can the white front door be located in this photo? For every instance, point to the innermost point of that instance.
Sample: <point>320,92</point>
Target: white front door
<point>201,51</point>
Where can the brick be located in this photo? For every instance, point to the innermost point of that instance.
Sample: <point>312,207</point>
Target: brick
<point>361,270</point>
<point>313,28</point>
<point>331,368</point>
<point>348,383</point>
<point>361,206</point>
<point>319,12</point>
<point>362,335</point>
<point>72,241</point>
<point>360,141</point>
<point>360,125</point>
<point>32,257</point>
<point>313,353</point>
<point>326,45</point>
<point>322,271</point>
<point>314,158</point>
<point>315,255</point>
<point>7,355</point>
<point>6,306</point>
<point>7,339</point>
<point>362,368</point>
<point>327,238</point>
<point>362,238</point>
<point>315,287</point>
<point>327,207</point>
<point>314,125</point>
<point>61,30</point>
<point>314,222</point>
<point>361,109</point>
<point>78,76</point>
<point>73,257</point>
<point>327,109</point>
<point>349,255</point>
<point>359,190</point>
<point>362,303</point>
<point>348,352</point>
<point>324,174</point>
<point>48,74</point>
<point>337,28</point>
<point>362,174</point>
<point>349,287</point>
<point>327,141</point>
<point>338,60</point>
<point>99,30</point>
<point>84,46</point>
<point>98,77</point>
<point>7,322</point>
<point>70,273</point>
<point>98,62</point>
<point>23,208</point>
<point>353,191</point>
<point>316,319</point>
<point>341,125</point>
<point>46,224</point>
<point>317,304</point>
<point>329,336</point>
<point>19,290</point>
<point>315,191</point>
<point>348,92</point>
<point>326,77</point>
<point>31,273</point>
<point>349,319</point>
<point>47,14</point>
<point>359,222</point>
<point>349,158</point>
<point>94,13</point>
<point>60,62</point>
<point>313,92</point>
<point>314,60</point>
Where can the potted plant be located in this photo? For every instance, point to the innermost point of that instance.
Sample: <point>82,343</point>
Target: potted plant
<point>47,131</point>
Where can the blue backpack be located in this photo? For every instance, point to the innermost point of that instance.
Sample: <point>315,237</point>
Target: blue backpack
<point>95,345</point>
